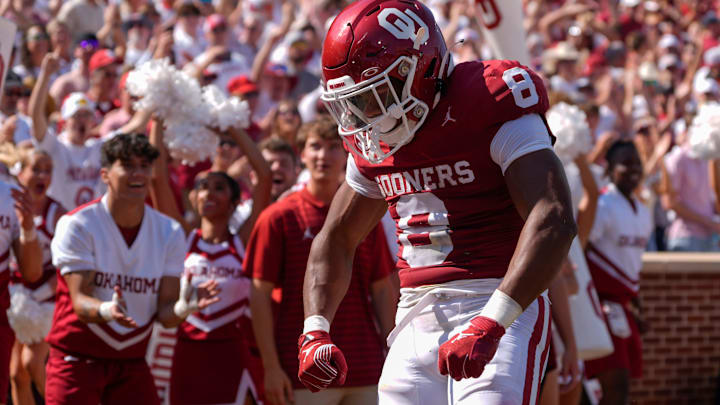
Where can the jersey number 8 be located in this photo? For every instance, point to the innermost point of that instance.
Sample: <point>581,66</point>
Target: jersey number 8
<point>523,90</point>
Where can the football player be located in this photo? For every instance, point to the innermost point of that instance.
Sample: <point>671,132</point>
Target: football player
<point>462,158</point>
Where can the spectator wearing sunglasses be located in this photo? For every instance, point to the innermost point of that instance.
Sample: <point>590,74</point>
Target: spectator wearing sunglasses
<point>295,52</point>
<point>138,30</point>
<point>78,79</point>
<point>219,59</point>
<point>35,44</point>
<point>13,128</point>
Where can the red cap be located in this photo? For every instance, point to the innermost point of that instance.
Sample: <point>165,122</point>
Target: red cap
<point>101,59</point>
<point>215,20</point>
<point>241,85</point>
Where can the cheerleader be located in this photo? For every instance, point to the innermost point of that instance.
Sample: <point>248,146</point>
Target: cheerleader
<point>614,255</point>
<point>213,361</point>
<point>27,363</point>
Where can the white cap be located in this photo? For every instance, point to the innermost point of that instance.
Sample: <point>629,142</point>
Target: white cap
<point>706,85</point>
<point>630,3</point>
<point>668,41</point>
<point>668,60</point>
<point>712,56</point>
<point>652,6</point>
<point>563,51</point>
<point>76,102</point>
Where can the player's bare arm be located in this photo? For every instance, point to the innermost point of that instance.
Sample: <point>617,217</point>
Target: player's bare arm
<point>177,299</point>
<point>539,189</point>
<point>329,269</point>
<point>90,309</point>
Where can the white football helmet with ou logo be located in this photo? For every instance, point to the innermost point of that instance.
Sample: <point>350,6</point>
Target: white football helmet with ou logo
<point>384,63</point>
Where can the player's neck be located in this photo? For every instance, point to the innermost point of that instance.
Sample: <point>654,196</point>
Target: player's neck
<point>323,190</point>
<point>126,213</point>
<point>214,231</point>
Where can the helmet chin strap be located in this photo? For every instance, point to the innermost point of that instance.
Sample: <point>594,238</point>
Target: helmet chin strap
<point>446,61</point>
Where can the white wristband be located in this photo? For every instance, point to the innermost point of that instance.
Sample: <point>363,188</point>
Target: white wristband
<point>104,310</point>
<point>316,322</point>
<point>501,308</point>
<point>27,236</point>
<point>183,308</point>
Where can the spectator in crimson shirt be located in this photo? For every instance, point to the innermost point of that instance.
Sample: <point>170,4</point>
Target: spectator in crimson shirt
<point>276,259</point>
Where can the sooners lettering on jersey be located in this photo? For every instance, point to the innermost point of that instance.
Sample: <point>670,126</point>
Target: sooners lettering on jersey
<point>455,218</point>
<point>221,262</point>
<point>88,239</point>
<point>618,239</point>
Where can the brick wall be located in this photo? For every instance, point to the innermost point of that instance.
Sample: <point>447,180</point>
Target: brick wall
<point>681,352</point>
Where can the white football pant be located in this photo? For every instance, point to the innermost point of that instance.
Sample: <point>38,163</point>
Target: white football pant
<point>410,375</point>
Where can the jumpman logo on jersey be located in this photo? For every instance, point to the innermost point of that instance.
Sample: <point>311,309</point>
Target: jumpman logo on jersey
<point>448,118</point>
<point>308,234</point>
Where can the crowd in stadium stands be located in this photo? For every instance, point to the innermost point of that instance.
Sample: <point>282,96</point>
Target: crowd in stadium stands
<point>638,69</point>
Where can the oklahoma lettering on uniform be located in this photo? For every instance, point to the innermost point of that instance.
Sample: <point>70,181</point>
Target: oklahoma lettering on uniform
<point>87,239</point>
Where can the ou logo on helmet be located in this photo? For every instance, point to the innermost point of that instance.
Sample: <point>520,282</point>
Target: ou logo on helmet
<point>404,25</point>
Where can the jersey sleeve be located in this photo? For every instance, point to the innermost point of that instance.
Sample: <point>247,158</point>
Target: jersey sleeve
<point>509,90</point>
<point>517,138</point>
<point>175,254</point>
<point>358,182</point>
<point>72,246</point>
<point>265,249</point>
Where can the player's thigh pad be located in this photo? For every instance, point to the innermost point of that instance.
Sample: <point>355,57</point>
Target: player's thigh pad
<point>410,375</point>
<point>513,376</point>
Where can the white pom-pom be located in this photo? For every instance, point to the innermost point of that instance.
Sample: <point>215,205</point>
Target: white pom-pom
<point>569,125</point>
<point>704,133</point>
<point>177,98</point>
<point>29,319</point>
<point>226,111</point>
<point>190,142</point>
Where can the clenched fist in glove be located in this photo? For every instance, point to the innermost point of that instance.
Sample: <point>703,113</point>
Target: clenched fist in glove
<point>321,362</point>
<point>466,354</point>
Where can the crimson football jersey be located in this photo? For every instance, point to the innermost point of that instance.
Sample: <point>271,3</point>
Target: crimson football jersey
<point>454,215</point>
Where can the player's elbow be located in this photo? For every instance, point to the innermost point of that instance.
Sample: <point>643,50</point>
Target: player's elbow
<point>561,225</point>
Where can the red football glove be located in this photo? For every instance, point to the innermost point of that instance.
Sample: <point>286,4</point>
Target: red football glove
<point>466,354</point>
<point>321,362</point>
